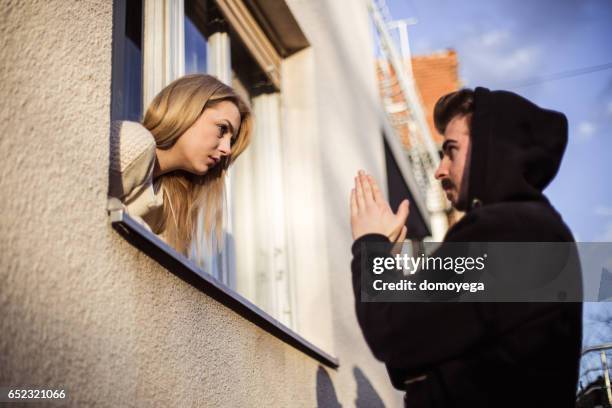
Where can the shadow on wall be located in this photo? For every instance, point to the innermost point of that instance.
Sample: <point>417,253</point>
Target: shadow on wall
<point>326,394</point>
<point>367,397</point>
<point>366,394</point>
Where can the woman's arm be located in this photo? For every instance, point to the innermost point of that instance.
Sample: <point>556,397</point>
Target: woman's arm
<point>132,159</point>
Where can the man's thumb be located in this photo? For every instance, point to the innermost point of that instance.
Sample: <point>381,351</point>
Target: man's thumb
<point>402,211</point>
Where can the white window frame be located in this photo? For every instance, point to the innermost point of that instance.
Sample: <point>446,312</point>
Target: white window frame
<point>163,45</point>
<point>241,20</point>
<point>153,58</point>
<point>263,264</point>
<point>163,61</point>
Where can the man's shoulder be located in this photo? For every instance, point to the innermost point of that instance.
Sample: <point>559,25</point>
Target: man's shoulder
<point>519,221</point>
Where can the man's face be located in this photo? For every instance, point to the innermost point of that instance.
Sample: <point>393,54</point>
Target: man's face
<point>452,170</point>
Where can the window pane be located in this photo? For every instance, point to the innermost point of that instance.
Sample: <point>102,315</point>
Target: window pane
<point>262,259</point>
<point>132,61</point>
<point>195,38</point>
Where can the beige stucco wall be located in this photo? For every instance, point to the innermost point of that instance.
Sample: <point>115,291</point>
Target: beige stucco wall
<point>349,138</point>
<point>83,310</point>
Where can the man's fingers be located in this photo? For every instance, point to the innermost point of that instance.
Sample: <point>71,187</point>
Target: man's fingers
<point>402,212</point>
<point>353,203</point>
<point>359,194</point>
<point>376,193</point>
<point>368,194</point>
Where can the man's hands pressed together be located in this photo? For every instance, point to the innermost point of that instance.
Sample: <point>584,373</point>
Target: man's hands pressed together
<point>371,213</point>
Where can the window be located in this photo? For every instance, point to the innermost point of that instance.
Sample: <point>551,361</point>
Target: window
<point>196,19</point>
<point>127,77</point>
<point>258,210</point>
<point>159,41</point>
<point>254,260</point>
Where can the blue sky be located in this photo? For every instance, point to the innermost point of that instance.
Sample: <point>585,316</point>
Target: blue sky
<point>506,44</point>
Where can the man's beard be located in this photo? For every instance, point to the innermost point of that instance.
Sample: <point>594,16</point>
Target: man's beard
<point>461,197</point>
<point>447,184</point>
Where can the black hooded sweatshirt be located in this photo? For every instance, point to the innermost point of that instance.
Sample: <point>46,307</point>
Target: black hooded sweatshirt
<point>488,354</point>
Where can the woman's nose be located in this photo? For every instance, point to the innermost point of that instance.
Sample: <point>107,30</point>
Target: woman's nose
<point>225,147</point>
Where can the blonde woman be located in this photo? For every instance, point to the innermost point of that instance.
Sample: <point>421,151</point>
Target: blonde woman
<point>169,172</point>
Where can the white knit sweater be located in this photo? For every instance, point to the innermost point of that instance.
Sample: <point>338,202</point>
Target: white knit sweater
<point>132,159</point>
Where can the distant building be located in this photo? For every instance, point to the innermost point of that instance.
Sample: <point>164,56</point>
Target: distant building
<point>435,75</point>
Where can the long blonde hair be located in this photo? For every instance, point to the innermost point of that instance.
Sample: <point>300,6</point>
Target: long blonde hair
<point>174,110</point>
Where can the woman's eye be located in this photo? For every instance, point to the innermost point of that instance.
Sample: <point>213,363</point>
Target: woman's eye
<point>222,130</point>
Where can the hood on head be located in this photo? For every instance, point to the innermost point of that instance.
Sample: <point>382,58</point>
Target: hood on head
<point>516,148</point>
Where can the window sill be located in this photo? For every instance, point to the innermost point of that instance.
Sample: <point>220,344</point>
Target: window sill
<point>180,266</point>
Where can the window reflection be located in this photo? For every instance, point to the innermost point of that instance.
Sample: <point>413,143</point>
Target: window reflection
<point>195,38</point>
<point>132,61</point>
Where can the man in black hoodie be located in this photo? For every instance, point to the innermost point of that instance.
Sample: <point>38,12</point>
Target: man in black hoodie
<point>500,152</point>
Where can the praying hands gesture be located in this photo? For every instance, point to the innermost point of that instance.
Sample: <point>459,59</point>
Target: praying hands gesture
<point>371,213</point>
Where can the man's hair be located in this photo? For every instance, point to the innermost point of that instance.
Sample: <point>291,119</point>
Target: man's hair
<point>458,103</point>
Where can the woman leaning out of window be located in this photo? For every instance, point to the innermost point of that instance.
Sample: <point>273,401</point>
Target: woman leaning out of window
<point>168,172</point>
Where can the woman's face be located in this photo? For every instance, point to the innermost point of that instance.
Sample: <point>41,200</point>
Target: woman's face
<point>209,139</point>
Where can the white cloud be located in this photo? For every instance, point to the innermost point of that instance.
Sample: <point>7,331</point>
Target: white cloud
<point>494,38</point>
<point>603,210</point>
<point>495,56</point>
<point>520,58</point>
<point>586,130</point>
<point>499,57</point>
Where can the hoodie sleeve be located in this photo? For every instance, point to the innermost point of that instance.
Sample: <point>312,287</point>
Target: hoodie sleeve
<point>413,336</point>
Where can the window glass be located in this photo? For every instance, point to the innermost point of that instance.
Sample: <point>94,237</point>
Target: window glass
<point>132,62</point>
<point>195,38</point>
<point>258,243</point>
<point>259,227</point>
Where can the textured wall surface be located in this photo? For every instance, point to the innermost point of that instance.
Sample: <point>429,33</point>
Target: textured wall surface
<point>81,308</point>
<point>350,138</point>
